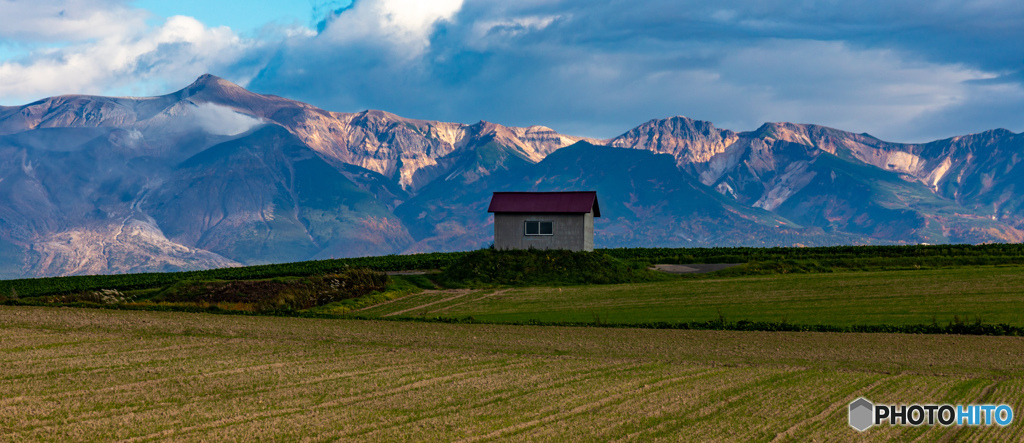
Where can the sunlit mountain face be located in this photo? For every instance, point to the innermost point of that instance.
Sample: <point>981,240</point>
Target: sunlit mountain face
<point>214,175</point>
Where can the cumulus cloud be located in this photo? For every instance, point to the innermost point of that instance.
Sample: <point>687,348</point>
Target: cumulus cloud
<point>222,120</point>
<point>405,25</point>
<point>881,91</point>
<point>174,53</point>
<point>106,47</point>
<point>600,71</point>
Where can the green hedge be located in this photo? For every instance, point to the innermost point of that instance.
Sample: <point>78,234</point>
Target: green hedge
<point>745,325</point>
<point>953,254</point>
<point>488,267</point>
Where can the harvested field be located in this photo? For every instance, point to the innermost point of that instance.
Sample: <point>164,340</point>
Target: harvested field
<point>81,374</point>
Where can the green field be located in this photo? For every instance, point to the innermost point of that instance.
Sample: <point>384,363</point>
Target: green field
<point>760,261</point>
<point>70,374</point>
<point>988,293</point>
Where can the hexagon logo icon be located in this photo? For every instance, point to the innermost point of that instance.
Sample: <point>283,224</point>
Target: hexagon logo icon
<point>861,412</point>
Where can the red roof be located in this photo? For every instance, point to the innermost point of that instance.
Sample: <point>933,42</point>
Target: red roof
<point>550,202</point>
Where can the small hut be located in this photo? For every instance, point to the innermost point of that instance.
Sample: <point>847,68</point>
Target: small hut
<point>544,220</point>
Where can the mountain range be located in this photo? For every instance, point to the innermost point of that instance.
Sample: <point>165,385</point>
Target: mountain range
<point>214,175</point>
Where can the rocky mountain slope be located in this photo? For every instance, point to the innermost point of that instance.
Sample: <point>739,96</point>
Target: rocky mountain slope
<point>215,175</point>
<point>937,192</point>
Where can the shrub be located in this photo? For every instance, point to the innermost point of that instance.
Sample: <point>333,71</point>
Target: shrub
<point>102,296</point>
<point>282,295</point>
<point>541,267</point>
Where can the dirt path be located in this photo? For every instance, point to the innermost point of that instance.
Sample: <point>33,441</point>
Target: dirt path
<point>697,268</point>
<point>458,293</point>
<point>387,302</point>
<point>492,294</point>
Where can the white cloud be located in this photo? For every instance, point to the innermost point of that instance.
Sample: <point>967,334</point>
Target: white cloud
<point>174,53</point>
<point>404,24</point>
<point>833,84</point>
<point>221,120</point>
<point>67,20</point>
<point>885,92</point>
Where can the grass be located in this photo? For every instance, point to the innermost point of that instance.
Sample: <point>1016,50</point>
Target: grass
<point>398,287</point>
<point>547,288</point>
<point>990,294</point>
<point>761,261</point>
<point>488,267</point>
<point>983,300</point>
<point>76,374</point>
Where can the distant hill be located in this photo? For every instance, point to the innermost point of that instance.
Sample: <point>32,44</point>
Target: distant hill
<point>214,175</point>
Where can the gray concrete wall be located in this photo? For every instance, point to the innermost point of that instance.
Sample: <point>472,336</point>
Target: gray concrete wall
<point>574,232</point>
<point>588,232</point>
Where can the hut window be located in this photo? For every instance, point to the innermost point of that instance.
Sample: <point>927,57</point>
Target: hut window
<point>537,227</point>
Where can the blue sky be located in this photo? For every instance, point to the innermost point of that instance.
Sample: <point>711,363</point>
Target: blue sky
<point>244,16</point>
<point>902,71</point>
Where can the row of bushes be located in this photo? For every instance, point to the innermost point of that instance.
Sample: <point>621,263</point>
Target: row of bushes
<point>266,296</point>
<point>34,287</point>
<point>274,295</point>
<point>807,266</point>
<point>952,328</point>
<point>965,254</point>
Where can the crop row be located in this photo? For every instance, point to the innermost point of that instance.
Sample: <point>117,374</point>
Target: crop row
<point>150,376</point>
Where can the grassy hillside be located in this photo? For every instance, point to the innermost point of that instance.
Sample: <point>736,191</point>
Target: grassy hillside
<point>761,260</point>
<point>534,267</point>
<point>919,289</point>
<point>989,294</point>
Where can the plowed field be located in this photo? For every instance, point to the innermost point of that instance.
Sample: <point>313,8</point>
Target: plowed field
<point>79,374</point>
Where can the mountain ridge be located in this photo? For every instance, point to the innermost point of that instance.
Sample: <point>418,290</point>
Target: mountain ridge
<point>92,184</point>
